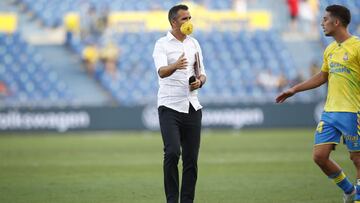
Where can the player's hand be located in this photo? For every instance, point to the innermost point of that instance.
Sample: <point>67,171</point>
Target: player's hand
<point>195,85</point>
<point>284,95</point>
<point>181,63</point>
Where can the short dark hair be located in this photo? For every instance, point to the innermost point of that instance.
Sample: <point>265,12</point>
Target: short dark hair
<point>174,10</point>
<point>340,12</point>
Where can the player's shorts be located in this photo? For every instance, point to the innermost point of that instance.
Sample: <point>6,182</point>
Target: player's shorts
<point>334,125</point>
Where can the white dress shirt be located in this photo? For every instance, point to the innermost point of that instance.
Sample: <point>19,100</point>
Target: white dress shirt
<point>174,91</point>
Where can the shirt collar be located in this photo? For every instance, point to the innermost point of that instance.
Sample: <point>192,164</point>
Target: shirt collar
<point>350,39</point>
<point>170,36</point>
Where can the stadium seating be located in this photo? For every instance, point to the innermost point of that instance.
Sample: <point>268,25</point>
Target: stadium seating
<point>51,12</point>
<point>233,61</point>
<point>28,79</point>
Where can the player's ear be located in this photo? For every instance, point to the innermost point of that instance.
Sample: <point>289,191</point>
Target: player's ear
<point>173,22</point>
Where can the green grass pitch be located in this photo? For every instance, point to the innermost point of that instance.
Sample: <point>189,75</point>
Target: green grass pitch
<point>247,166</point>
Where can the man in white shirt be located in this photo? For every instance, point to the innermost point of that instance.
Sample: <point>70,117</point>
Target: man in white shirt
<point>179,108</point>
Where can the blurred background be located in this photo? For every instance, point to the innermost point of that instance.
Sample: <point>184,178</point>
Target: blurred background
<point>86,65</point>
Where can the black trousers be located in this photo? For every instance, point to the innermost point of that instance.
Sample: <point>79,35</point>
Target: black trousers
<point>181,136</point>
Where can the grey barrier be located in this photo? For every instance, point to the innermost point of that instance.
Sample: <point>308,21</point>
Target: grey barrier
<point>235,116</point>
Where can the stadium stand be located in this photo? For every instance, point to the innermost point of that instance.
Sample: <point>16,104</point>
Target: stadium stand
<point>241,56</point>
<point>233,58</point>
<point>28,79</point>
<point>51,12</point>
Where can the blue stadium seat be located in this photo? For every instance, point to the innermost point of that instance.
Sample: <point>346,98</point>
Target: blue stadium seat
<point>23,72</point>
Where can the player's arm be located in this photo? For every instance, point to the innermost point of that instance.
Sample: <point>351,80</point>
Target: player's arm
<point>315,81</point>
<point>168,70</point>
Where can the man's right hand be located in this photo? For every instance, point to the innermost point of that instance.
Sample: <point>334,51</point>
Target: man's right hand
<point>181,63</point>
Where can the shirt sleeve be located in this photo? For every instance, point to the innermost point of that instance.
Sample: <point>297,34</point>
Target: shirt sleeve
<point>159,55</point>
<point>202,68</point>
<point>325,65</point>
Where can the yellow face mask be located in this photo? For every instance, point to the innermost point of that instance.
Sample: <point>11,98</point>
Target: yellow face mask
<point>186,28</point>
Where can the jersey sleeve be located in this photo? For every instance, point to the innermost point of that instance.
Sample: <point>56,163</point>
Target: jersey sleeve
<point>325,65</point>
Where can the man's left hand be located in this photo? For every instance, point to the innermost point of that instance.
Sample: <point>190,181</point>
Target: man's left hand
<point>195,85</point>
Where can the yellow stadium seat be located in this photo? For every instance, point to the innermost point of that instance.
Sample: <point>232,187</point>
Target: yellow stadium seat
<point>72,22</point>
<point>8,22</point>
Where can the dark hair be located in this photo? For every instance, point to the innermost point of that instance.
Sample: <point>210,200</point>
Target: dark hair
<point>340,12</point>
<point>174,11</point>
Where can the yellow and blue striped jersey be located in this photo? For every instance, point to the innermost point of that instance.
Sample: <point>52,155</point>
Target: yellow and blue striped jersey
<point>342,63</point>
